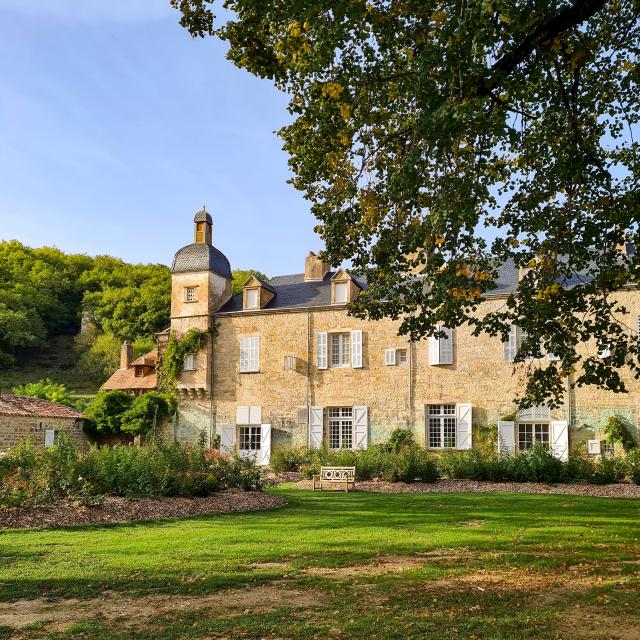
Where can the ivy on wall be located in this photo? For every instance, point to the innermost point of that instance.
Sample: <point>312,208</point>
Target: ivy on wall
<point>616,431</point>
<point>178,349</point>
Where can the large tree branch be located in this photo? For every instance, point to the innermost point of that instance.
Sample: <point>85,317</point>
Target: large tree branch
<point>567,18</point>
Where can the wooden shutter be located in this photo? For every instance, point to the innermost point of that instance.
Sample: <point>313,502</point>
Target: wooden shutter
<point>316,427</point>
<point>434,350</point>
<point>242,415</point>
<point>322,350</point>
<point>249,354</point>
<point>265,445</point>
<point>507,437</point>
<point>356,349</point>
<point>511,345</point>
<point>255,415</point>
<point>446,346</point>
<point>49,437</point>
<point>560,439</point>
<point>390,357</point>
<point>464,423</point>
<point>228,439</point>
<point>360,427</point>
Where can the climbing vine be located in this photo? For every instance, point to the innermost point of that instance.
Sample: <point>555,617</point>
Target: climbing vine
<point>616,431</point>
<point>178,349</point>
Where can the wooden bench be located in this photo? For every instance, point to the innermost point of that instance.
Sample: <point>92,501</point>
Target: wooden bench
<point>335,476</point>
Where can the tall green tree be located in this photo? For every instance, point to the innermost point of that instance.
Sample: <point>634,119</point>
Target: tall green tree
<point>240,276</point>
<point>440,140</point>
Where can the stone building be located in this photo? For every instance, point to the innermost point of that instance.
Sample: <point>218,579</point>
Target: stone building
<point>287,365</point>
<point>41,421</point>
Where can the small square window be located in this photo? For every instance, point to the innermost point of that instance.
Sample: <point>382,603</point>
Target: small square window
<point>341,291</point>
<point>191,295</point>
<point>252,299</point>
<point>402,356</point>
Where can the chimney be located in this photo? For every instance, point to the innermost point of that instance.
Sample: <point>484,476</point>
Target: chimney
<point>314,268</point>
<point>126,355</point>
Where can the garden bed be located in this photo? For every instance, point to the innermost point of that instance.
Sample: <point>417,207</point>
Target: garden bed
<point>66,513</point>
<point>619,490</point>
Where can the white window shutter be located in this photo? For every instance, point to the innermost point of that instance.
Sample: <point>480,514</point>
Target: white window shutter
<point>464,424</point>
<point>434,350</point>
<point>552,357</point>
<point>243,415</point>
<point>511,345</point>
<point>265,445</point>
<point>49,437</point>
<point>356,349</point>
<point>594,447</point>
<point>390,357</point>
<point>255,415</point>
<point>360,427</point>
<point>255,354</point>
<point>446,346</point>
<point>507,437</point>
<point>560,439</point>
<point>249,354</point>
<point>228,439</point>
<point>316,427</point>
<point>188,363</point>
<point>322,350</point>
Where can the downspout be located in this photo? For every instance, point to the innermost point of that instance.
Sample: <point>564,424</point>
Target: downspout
<point>211,353</point>
<point>410,387</point>
<point>308,360</point>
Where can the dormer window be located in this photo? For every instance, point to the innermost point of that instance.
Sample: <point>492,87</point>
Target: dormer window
<point>191,294</point>
<point>341,294</point>
<point>253,299</point>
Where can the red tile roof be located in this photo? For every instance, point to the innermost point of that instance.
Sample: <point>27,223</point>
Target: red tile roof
<point>126,379</point>
<point>148,359</point>
<point>11,405</point>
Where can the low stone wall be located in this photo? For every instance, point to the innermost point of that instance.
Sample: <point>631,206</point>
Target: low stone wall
<point>17,429</point>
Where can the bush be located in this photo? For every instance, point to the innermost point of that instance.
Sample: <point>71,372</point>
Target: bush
<point>633,466</point>
<point>28,476</point>
<point>288,459</point>
<point>616,431</point>
<point>399,439</point>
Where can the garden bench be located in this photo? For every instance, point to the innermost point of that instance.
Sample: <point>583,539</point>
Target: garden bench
<point>335,476</point>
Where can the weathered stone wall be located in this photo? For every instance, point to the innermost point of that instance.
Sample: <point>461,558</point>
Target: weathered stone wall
<point>396,395</point>
<point>15,430</point>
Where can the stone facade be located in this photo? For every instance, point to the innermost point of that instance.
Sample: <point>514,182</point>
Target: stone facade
<point>15,430</point>
<point>288,382</point>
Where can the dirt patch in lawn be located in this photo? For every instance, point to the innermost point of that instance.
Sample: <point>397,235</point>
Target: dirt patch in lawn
<point>595,624</point>
<point>621,490</point>
<point>65,513</point>
<point>135,612</point>
<point>383,564</point>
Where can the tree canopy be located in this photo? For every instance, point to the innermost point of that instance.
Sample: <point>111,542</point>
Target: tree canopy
<point>440,140</point>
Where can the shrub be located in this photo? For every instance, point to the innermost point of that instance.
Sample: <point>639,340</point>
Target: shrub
<point>28,476</point>
<point>105,412</point>
<point>608,469</point>
<point>285,459</point>
<point>632,463</point>
<point>616,431</point>
<point>399,439</point>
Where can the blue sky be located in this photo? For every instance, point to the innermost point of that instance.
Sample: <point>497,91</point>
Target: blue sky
<point>116,126</point>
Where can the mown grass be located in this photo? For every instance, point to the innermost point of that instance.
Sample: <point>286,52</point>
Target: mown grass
<point>497,566</point>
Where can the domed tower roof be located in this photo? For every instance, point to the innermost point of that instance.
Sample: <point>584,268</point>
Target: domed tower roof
<point>201,255</point>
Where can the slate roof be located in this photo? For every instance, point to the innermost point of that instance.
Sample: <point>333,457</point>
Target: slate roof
<point>203,216</point>
<point>11,405</point>
<point>201,257</point>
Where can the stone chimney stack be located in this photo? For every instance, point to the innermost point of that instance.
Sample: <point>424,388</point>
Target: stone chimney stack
<point>126,355</point>
<point>314,268</point>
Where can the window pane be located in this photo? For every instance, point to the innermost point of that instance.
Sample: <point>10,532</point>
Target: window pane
<point>340,349</point>
<point>435,440</point>
<point>249,438</point>
<point>252,299</point>
<point>341,292</point>
<point>449,430</point>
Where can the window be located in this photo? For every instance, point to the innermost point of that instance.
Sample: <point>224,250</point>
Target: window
<point>340,349</point>
<point>249,354</point>
<point>189,363</point>
<point>390,357</point>
<point>289,363</point>
<point>341,292</point>
<point>249,438</point>
<point>341,428</point>
<point>442,426</point>
<point>191,294</point>
<point>532,433</point>
<point>402,356</point>
<point>139,372</point>
<point>252,298</point>
<point>200,232</point>
<point>441,349</point>
<point>608,449</point>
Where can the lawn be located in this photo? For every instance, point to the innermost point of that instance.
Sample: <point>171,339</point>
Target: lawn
<point>361,565</point>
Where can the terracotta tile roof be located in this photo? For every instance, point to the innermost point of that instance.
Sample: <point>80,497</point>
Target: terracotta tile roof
<point>147,360</point>
<point>11,405</point>
<point>126,379</point>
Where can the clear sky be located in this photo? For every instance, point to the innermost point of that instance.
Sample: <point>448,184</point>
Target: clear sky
<point>116,126</point>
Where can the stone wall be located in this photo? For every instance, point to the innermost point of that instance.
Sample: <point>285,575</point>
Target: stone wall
<point>15,430</point>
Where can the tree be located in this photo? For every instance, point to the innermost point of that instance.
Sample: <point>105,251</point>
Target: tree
<point>104,414</point>
<point>148,411</point>
<point>240,276</point>
<point>438,141</point>
<point>47,390</point>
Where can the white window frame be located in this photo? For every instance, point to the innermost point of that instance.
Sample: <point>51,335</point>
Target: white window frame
<point>537,434</point>
<point>191,294</point>
<point>253,304</point>
<point>340,350</point>
<point>340,287</point>
<point>251,434</point>
<point>403,356</point>
<point>189,363</point>
<point>390,357</point>
<point>249,354</point>
<point>342,419</point>
<point>442,420</point>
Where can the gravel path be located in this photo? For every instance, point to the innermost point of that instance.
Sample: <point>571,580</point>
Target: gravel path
<point>115,509</point>
<point>472,486</point>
